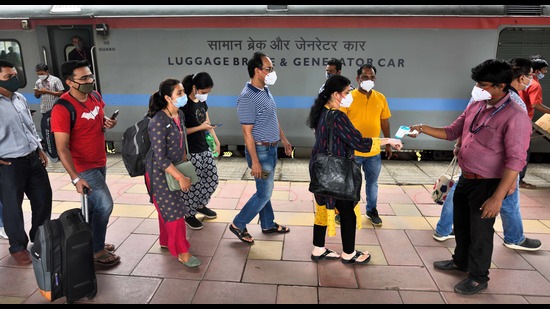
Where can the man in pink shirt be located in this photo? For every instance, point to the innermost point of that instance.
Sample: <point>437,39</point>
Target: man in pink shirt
<point>494,132</point>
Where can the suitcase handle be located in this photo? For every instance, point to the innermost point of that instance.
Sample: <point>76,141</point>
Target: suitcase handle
<point>84,199</point>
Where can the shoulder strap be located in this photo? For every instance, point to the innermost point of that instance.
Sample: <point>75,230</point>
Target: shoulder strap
<point>96,95</point>
<point>70,108</point>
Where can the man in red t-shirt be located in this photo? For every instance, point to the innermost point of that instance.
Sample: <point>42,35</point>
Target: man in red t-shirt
<point>82,150</point>
<point>532,96</point>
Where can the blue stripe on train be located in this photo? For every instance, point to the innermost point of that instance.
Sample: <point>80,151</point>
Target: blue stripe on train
<point>416,104</point>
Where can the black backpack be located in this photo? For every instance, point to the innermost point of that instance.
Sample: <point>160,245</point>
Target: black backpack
<point>47,133</point>
<point>46,128</point>
<point>135,145</point>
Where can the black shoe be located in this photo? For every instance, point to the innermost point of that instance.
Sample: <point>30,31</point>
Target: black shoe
<point>448,265</point>
<point>527,244</point>
<point>374,218</point>
<point>470,286</point>
<point>193,223</point>
<point>208,213</point>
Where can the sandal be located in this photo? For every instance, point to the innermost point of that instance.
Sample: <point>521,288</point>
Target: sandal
<point>110,247</point>
<point>353,260</point>
<point>107,259</point>
<point>525,185</point>
<point>243,235</point>
<point>327,255</point>
<point>281,229</point>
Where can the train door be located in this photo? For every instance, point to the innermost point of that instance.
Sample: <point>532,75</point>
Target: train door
<point>61,39</point>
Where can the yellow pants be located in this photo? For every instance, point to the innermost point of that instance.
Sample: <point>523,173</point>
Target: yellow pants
<point>325,217</point>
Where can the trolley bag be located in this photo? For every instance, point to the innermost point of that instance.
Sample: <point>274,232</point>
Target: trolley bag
<point>62,256</point>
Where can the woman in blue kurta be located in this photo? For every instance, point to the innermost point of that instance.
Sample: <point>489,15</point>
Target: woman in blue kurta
<point>346,138</point>
<point>168,147</point>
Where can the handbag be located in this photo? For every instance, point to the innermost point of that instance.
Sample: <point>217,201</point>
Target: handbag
<point>185,167</point>
<point>335,176</point>
<point>445,182</point>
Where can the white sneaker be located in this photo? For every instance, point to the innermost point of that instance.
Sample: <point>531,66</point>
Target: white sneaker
<point>3,234</point>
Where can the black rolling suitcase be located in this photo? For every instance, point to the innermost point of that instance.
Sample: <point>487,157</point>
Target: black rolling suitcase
<point>62,256</point>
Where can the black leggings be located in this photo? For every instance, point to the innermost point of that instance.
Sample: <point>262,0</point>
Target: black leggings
<point>348,222</point>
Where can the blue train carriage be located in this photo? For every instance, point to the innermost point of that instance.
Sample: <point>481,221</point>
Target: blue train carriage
<point>423,55</point>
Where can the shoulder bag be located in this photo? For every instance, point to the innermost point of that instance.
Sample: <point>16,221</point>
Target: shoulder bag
<point>185,167</point>
<point>445,182</point>
<point>335,176</point>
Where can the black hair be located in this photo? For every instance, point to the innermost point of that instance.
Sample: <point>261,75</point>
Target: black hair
<point>201,80</point>
<point>255,62</point>
<point>336,63</point>
<point>495,71</point>
<point>68,67</point>
<point>366,66</point>
<point>41,67</point>
<point>538,63</point>
<point>157,102</point>
<point>6,64</point>
<point>335,83</point>
<point>520,66</point>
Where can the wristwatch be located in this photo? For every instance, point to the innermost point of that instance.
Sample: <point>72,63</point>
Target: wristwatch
<point>74,181</point>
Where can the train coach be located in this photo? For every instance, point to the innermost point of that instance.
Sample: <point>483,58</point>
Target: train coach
<point>423,55</point>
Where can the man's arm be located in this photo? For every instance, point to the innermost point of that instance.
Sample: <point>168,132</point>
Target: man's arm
<point>385,125</point>
<point>250,144</point>
<point>542,108</point>
<point>284,140</point>
<point>62,144</point>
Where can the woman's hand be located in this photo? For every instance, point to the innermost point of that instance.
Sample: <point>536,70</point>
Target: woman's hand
<point>185,183</point>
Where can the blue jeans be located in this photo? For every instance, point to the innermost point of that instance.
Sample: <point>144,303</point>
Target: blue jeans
<point>371,167</point>
<point>260,202</point>
<point>100,204</point>
<point>509,214</point>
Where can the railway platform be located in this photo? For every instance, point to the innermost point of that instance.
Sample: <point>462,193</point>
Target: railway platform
<point>277,269</point>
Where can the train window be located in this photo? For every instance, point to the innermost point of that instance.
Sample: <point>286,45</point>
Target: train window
<point>11,50</point>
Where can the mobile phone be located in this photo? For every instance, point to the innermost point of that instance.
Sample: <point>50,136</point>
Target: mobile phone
<point>217,125</point>
<point>115,114</point>
<point>265,174</point>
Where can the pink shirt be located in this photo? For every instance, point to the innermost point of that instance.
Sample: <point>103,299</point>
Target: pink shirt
<point>501,141</point>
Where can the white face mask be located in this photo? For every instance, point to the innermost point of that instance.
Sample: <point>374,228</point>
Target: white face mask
<point>271,78</point>
<point>346,101</point>
<point>201,97</point>
<point>479,94</point>
<point>42,77</point>
<point>529,84</point>
<point>367,85</point>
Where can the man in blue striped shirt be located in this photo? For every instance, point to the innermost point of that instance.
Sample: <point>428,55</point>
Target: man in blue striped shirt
<point>257,113</point>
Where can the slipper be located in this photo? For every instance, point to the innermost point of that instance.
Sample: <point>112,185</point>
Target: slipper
<point>327,255</point>
<point>525,185</point>
<point>281,229</point>
<point>107,259</point>
<point>353,260</point>
<point>110,247</point>
<point>193,262</point>
<point>243,235</point>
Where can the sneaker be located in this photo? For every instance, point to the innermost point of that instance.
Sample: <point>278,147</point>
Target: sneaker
<point>193,223</point>
<point>3,234</point>
<point>374,218</point>
<point>438,237</point>
<point>337,219</point>
<point>207,212</point>
<point>527,244</point>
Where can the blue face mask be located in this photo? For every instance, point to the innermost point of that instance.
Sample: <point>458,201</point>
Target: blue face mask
<point>540,75</point>
<point>181,101</point>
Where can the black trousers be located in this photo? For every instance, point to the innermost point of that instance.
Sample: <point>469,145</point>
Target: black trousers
<point>348,222</point>
<point>25,176</point>
<point>473,235</point>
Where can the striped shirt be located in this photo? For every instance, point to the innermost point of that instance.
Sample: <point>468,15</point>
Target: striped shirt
<point>257,107</point>
<point>51,83</point>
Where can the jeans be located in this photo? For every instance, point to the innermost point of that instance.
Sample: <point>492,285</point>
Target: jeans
<point>509,214</point>
<point>100,205</point>
<point>371,167</point>
<point>260,202</point>
<point>1,215</point>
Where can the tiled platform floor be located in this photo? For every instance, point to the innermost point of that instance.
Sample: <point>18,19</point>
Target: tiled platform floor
<point>277,269</point>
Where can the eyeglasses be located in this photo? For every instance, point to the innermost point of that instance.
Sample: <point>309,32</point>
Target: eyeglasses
<point>270,69</point>
<point>85,78</point>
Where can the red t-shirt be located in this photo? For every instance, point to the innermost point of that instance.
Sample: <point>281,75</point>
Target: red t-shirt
<point>87,140</point>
